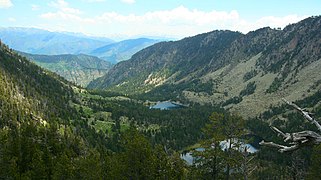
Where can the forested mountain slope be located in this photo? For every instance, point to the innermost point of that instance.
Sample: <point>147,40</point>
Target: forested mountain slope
<point>79,69</point>
<point>48,130</point>
<point>243,72</point>
<point>35,120</point>
<point>30,87</point>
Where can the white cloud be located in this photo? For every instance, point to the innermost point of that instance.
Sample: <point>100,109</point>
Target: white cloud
<point>279,21</point>
<point>128,1</point>
<point>63,12</point>
<point>267,21</point>
<point>63,6</point>
<point>66,17</point>
<point>59,4</point>
<point>5,3</point>
<point>11,19</point>
<point>178,22</point>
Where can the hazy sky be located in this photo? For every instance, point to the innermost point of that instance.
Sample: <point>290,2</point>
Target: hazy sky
<point>169,18</point>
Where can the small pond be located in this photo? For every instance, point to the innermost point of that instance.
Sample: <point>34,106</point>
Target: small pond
<point>166,105</point>
<point>190,159</point>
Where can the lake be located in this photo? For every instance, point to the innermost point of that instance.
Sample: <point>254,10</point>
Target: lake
<point>166,105</point>
<point>190,159</point>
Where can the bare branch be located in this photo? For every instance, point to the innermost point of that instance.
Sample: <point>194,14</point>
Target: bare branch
<point>286,136</point>
<point>281,148</point>
<point>304,113</point>
<point>297,139</point>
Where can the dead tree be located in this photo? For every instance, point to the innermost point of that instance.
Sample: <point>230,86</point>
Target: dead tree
<point>297,139</point>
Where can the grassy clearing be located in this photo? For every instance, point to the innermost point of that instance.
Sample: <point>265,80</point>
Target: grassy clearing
<point>103,126</point>
<point>107,125</point>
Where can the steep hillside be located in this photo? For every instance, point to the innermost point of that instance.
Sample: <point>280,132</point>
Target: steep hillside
<point>41,135</point>
<point>169,60</point>
<point>37,41</point>
<point>122,50</point>
<point>80,69</point>
<point>244,73</point>
<point>34,90</point>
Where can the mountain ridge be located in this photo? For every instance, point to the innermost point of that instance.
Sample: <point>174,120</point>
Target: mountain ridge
<point>38,41</point>
<point>225,67</point>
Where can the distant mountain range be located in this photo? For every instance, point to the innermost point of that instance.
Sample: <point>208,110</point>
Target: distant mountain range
<point>122,50</point>
<point>80,69</point>
<point>246,73</point>
<point>37,41</point>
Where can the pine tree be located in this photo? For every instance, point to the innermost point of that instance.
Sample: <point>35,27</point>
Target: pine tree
<point>214,162</point>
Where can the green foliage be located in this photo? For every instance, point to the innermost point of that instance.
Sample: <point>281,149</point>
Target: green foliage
<point>213,162</point>
<point>276,84</point>
<point>161,93</point>
<point>105,93</point>
<point>233,100</point>
<point>139,160</point>
<point>314,170</point>
<point>198,86</point>
<point>175,128</point>
<point>250,89</point>
<point>249,75</point>
<point>137,156</point>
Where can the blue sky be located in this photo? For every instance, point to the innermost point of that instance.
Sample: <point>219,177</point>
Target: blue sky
<point>164,18</point>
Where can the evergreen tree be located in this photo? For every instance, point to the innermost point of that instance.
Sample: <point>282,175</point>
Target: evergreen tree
<point>315,168</point>
<point>217,161</point>
<point>138,156</point>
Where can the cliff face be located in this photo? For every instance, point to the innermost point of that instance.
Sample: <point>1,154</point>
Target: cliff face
<point>238,71</point>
